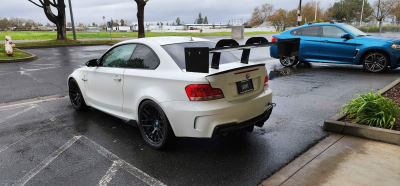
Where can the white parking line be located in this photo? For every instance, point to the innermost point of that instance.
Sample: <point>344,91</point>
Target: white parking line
<point>125,165</point>
<point>110,173</point>
<point>17,113</point>
<point>46,162</point>
<point>5,147</point>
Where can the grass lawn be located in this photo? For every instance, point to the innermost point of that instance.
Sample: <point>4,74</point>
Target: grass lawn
<point>66,42</point>
<point>31,35</point>
<point>17,54</point>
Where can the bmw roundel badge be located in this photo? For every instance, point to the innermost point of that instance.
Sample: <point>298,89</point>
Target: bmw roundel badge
<point>247,75</point>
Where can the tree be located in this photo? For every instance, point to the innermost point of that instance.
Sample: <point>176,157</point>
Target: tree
<point>308,12</point>
<point>382,8</point>
<point>292,18</point>
<point>122,22</point>
<point>261,14</point>
<point>205,21</point>
<point>29,24</point>
<point>69,25</point>
<point>104,19</point>
<point>59,20</point>
<point>279,19</point>
<point>199,20</point>
<point>396,11</point>
<point>167,24</point>
<point>348,10</point>
<point>140,16</point>
<point>93,24</point>
<point>4,24</point>
<point>39,24</point>
<point>178,21</point>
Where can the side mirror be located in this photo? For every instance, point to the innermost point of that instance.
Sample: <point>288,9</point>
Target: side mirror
<point>346,36</point>
<point>92,63</point>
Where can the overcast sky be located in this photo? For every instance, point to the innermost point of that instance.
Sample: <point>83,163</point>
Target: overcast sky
<point>88,11</point>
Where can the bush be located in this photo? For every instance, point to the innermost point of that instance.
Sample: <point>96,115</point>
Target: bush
<point>372,110</point>
<point>376,28</point>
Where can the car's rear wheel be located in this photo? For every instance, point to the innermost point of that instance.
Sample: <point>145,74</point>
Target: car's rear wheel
<point>154,125</point>
<point>289,61</point>
<point>75,95</point>
<point>375,62</point>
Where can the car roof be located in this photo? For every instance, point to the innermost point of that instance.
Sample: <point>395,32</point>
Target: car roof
<point>167,40</point>
<point>322,24</point>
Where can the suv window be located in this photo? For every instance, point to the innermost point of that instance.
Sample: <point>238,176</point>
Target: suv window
<point>143,57</point>
<point>333,32</point>
<point>296,32</point>
<point>312,31</point>
<point>117,57</point>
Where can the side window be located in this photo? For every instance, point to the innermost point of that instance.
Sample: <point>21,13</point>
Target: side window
<point>311,31</point>
<point>332,32</point>
<point>144,58</point>
<point>296,32</point>
<point>118,57</point>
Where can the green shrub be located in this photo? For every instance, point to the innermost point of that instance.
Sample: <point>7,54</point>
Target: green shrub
<point>372,110</point>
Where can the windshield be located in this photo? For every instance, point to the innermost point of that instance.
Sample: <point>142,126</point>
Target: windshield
<point>354,31</point>
<point>177,52</point>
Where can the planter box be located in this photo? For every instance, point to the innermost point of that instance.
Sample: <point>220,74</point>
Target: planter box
<point>334,124</point>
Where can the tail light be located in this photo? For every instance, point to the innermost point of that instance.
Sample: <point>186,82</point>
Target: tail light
<point>266,81</point>
<point>203,93</point>
<point>274,39</point>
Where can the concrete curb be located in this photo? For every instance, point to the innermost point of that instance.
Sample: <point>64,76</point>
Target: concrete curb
<point>58,46</point>
<point>32,101</point>
<point>31,58</point>
<point>373,133</point>
<point>292,168</point>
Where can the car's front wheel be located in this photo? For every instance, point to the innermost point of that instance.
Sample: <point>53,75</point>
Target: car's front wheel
<point>289,61</point>
<point>75,95</point>
<point>154,125</point>
<point>375,62</point>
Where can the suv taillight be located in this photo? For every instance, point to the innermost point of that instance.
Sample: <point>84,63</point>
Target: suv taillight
<point>274,39</point>
<point>266,81</point>
<point>203,93</point>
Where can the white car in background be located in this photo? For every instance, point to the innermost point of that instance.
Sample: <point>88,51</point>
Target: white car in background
<point>145,82</point>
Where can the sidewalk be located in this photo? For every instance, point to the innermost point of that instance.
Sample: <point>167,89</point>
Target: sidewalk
<point>343,160</point>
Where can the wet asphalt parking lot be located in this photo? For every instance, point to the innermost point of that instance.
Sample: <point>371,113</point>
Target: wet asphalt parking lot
<point>49,143</point>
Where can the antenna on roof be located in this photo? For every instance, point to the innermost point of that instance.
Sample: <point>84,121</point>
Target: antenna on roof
<point>191,38</point>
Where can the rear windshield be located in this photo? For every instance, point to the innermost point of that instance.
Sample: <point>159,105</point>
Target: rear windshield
<point>177,52</point>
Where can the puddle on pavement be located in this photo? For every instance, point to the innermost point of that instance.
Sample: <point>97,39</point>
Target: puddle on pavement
<point>281,73</point>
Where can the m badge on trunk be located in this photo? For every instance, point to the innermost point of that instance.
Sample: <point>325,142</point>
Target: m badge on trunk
<point>247,75</point>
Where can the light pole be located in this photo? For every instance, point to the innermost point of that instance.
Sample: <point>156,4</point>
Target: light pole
<point>362,11</point>
<point>299,15</point>
<point>72,19</point>
<point>316,9</point>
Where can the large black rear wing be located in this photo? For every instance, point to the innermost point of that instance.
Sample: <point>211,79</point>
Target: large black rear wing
<point>197,58</point>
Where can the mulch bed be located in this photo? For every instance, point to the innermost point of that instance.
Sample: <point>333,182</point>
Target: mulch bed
<point>393,94</point>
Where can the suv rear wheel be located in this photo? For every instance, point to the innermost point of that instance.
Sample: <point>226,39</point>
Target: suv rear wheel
<point>289,61</point>
<point>375,62</point>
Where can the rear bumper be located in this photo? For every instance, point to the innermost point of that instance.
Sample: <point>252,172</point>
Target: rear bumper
<point>257,121</point>
<point>199,119</point>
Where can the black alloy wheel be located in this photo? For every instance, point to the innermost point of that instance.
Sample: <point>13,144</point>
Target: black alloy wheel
<point>375,62</point>
<point>154,125</point>
<point>75,96</point>
<point>289,61</point>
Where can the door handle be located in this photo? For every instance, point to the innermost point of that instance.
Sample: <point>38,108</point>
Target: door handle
<point>326,41</point>
<point>116,78</point>
<point>84,79</point>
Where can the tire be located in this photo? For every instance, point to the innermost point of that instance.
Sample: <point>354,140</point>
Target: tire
<point>154,125</point>
<point>375,62</point>
<point>289,61</point>
<point>75,96</point>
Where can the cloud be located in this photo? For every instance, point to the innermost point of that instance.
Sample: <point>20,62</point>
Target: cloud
<point>88,11</point>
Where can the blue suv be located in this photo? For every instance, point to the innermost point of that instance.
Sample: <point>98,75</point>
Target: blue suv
<point>340,43</point>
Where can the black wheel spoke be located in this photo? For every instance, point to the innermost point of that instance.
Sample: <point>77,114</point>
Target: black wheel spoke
<point>152,123</point>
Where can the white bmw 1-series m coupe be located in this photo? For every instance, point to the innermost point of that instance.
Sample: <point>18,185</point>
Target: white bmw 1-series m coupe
<point>147,82</point>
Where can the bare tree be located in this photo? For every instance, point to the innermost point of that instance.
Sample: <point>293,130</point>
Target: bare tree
<point>140,16</point>
<point>382,8</point>
<point>396,11</point>
<point>59,20</point>
<point>279,19</point>
<point>261,14</point>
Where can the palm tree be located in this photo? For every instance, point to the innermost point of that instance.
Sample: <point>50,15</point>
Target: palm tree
<point>104,19</point>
